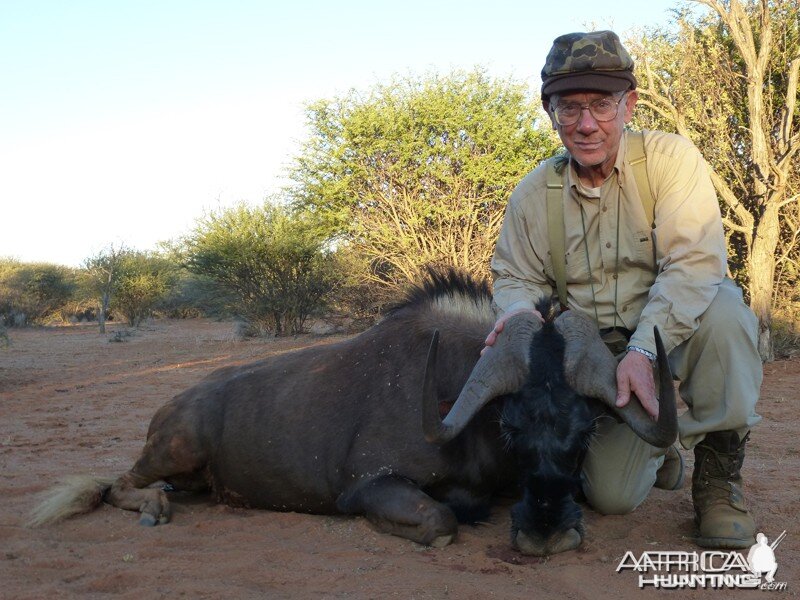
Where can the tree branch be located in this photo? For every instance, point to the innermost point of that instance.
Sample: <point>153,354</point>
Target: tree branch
<point>789,200</point>
<point>791,102</point>
<point>733,226</point>
<point>729,198</point>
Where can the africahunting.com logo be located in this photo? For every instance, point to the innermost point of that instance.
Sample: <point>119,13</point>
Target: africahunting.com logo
<point>713,569</point>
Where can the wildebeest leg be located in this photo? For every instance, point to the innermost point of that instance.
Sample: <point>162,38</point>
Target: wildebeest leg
<point>130,492</point>
<point>396,505</point>
<point>164,457</point>
<point>188,482</point>
<point>466,505</point>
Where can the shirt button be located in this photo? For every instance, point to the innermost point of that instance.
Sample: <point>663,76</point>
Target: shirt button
<point>624,308</point>
<point>605,208</point>
<point>608,244</point>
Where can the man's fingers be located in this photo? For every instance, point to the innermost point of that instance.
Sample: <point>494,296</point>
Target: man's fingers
<point>500,325</point>
<point>650,404</point>
<point>635,376</point>
<point>498,328</point>
<point>623,385</point>
<point>492,337</point>
<point>623,392</point>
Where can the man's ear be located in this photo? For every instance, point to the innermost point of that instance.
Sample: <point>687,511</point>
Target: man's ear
<point>546,107</point>
<point>630,103</point>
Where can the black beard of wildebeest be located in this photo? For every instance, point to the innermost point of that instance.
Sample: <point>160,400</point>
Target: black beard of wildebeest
<point>547,427</point>
<point>356,426</point>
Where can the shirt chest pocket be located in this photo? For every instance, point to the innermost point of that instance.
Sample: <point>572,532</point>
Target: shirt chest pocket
<point>642,251</point>
<point>576,266</point>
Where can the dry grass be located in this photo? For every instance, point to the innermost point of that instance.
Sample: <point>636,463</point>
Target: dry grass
<point>786,330</point>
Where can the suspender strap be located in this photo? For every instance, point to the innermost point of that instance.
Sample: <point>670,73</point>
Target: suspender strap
<point>555,226</point>
<point>555,207</point>
<point>638,162</point>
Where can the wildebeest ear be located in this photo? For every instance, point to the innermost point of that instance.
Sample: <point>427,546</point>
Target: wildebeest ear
<point>502,369</point>
<point>431,421</point>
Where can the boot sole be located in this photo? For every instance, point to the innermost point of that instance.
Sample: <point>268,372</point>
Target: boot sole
<point>716,542</point>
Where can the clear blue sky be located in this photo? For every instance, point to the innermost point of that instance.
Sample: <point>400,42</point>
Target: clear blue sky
<point>126,121</point>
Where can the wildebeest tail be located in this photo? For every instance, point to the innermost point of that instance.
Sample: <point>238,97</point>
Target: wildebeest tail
<point>70,496</point>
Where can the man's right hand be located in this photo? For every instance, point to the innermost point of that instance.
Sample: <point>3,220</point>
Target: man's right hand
<point>500,324</point>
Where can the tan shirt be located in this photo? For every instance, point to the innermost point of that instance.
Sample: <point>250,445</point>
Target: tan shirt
<point>669,283</point>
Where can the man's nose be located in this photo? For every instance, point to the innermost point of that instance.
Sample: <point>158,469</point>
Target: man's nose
<point>587,122</point>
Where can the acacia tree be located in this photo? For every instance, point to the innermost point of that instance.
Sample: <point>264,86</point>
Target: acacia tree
<point>728,80</point>
<point>102,273</point>
<point>144,279</point>
<point>418,171</point>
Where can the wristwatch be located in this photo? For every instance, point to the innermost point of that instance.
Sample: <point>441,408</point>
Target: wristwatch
<point>646,353</point>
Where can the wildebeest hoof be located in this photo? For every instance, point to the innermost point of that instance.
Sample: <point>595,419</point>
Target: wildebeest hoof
<point>442,540</point>
<point>536,546</point>
<point>148,520</point>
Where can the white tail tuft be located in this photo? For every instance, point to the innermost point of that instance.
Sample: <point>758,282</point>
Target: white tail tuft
<point>72,495</point>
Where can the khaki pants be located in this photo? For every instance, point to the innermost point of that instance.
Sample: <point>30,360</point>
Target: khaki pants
<point>720,372</point>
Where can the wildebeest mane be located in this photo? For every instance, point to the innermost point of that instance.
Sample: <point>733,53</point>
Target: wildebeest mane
<point>446,286</point>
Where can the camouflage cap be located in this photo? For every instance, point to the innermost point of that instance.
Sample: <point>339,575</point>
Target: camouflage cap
<point>596,60</point>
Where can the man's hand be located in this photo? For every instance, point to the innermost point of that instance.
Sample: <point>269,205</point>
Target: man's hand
<point>635,375</point>
<point>501,322</point>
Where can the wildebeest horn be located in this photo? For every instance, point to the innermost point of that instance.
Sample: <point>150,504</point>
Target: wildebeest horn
<point>590,370</point>
<point>589,367</point>
<point>501,370</point>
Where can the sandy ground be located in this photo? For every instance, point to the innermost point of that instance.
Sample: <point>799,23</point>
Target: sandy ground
<point>71,402</point>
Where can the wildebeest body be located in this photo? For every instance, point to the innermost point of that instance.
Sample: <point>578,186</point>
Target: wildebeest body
<point>355,426</point>
<point>295,431</point>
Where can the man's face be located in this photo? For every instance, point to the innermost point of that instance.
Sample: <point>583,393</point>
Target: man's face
<point>593,143</point>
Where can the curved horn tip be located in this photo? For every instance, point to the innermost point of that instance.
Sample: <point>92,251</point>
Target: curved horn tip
<point>658,340</point>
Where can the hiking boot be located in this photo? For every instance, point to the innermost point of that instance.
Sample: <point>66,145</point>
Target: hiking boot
<point>670,475</point>
<point>720,512</point>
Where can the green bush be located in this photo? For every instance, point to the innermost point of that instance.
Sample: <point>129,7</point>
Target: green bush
<point>33,292</point>
<point>418,171</point>
<point>190,297</point>
<point>269,265</point>
<point>145,280</point>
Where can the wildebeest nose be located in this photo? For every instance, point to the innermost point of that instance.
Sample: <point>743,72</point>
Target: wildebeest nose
<point>534,545</point>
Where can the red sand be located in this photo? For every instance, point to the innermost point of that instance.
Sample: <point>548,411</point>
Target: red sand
<point>71,402</point>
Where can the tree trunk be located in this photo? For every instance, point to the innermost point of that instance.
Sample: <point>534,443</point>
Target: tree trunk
<point>761,270</point>
<point>101,318</point>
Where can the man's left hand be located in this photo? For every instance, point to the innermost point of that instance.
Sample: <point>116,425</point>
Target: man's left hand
<point>635,375</point>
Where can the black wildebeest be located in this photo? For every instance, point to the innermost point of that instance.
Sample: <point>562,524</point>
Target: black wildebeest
<point>339,428</point>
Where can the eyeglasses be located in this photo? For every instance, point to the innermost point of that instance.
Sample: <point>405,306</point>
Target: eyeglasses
<point>602,109</point>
